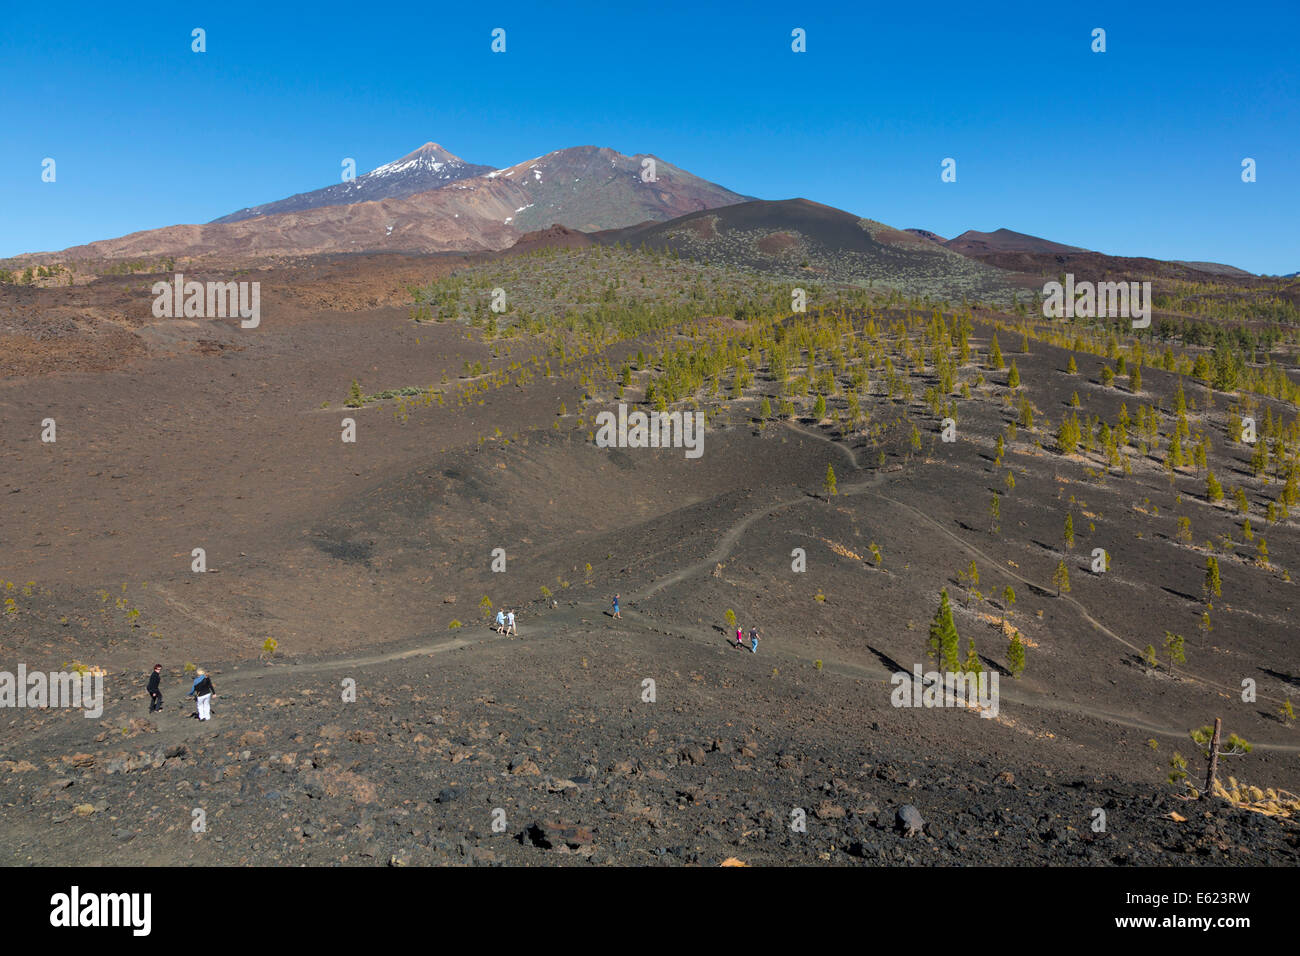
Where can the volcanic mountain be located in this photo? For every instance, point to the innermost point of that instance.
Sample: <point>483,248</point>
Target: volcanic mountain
<point>973,243</point>
<point>804,239</point>
<point>1033,255</point>
<point>429,167</point>
<point>584,187</point>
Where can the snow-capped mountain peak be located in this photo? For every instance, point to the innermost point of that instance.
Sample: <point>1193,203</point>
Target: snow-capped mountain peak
<point>429,167</point>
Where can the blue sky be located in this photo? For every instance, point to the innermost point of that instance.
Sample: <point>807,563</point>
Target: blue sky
<point>1136,151</point>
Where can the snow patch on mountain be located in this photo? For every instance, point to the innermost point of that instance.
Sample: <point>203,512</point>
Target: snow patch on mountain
<point>429,167</point>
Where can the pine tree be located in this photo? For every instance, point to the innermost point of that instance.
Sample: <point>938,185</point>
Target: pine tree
<point>1068,534</point>
<point>944,642</point>
<point>1174,456</point>
<point>1072,368</point>
<point>1061,579</point>
<point>1213,586</point>
<point>972,665</point>
<point>1174,649</point>
<point>1177,769</point>
<point>829,483</point>
<point>355,398</point>
<point>1013,376</point>
<point>1226,368</point>
<point>1259,458</point>
<point>1135,379</point>
<point>1213,490</point>
<point>1016,655</point>
<point>1067,436</point>
<point>995,354</point>
<point>995,513</point>
<point>1026,414</point>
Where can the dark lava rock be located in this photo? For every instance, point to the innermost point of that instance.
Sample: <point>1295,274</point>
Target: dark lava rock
<point>549,835</point>
<point>909,821</point>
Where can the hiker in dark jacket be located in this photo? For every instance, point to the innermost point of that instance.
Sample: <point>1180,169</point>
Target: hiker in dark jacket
<point>202,694</point>
<point>155,691</point>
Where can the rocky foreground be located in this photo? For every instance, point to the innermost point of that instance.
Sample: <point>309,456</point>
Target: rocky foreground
<point>547,750</point>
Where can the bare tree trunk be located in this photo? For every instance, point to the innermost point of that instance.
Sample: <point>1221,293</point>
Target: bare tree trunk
<point>1214,759</point>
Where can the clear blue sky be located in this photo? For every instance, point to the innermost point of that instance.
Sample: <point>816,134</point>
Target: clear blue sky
<point>1136,151</point>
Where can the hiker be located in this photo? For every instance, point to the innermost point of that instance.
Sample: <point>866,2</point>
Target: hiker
<point>753,640</point>
<point>510,624</point>
<point>616,614</point>
<point>155,691</point>
<point>740,636</point>
<point>202,694</point>
<point>501,621</point>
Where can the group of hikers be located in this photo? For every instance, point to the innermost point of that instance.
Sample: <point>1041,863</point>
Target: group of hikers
<point>200,690</point>
<point>753,638</point>
<point>740,631</point>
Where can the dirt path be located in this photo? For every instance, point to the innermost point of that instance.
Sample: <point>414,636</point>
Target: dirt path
<point>339,663</point>
<point>1038,700</point>
<point>559,622</point>
<point>187,611</point>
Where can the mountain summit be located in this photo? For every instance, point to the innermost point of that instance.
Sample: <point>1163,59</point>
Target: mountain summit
<point>594,187</point>
<point>974,243</point>
<point>429,167</point>
<point>431,201</point>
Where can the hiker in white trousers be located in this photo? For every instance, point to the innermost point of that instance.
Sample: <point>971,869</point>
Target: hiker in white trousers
<point>202,694</point>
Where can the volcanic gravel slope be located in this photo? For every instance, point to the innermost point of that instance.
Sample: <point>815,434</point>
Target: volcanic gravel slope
<point>806,240</point>
<point>360,560</point>
<point>550,738</point>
